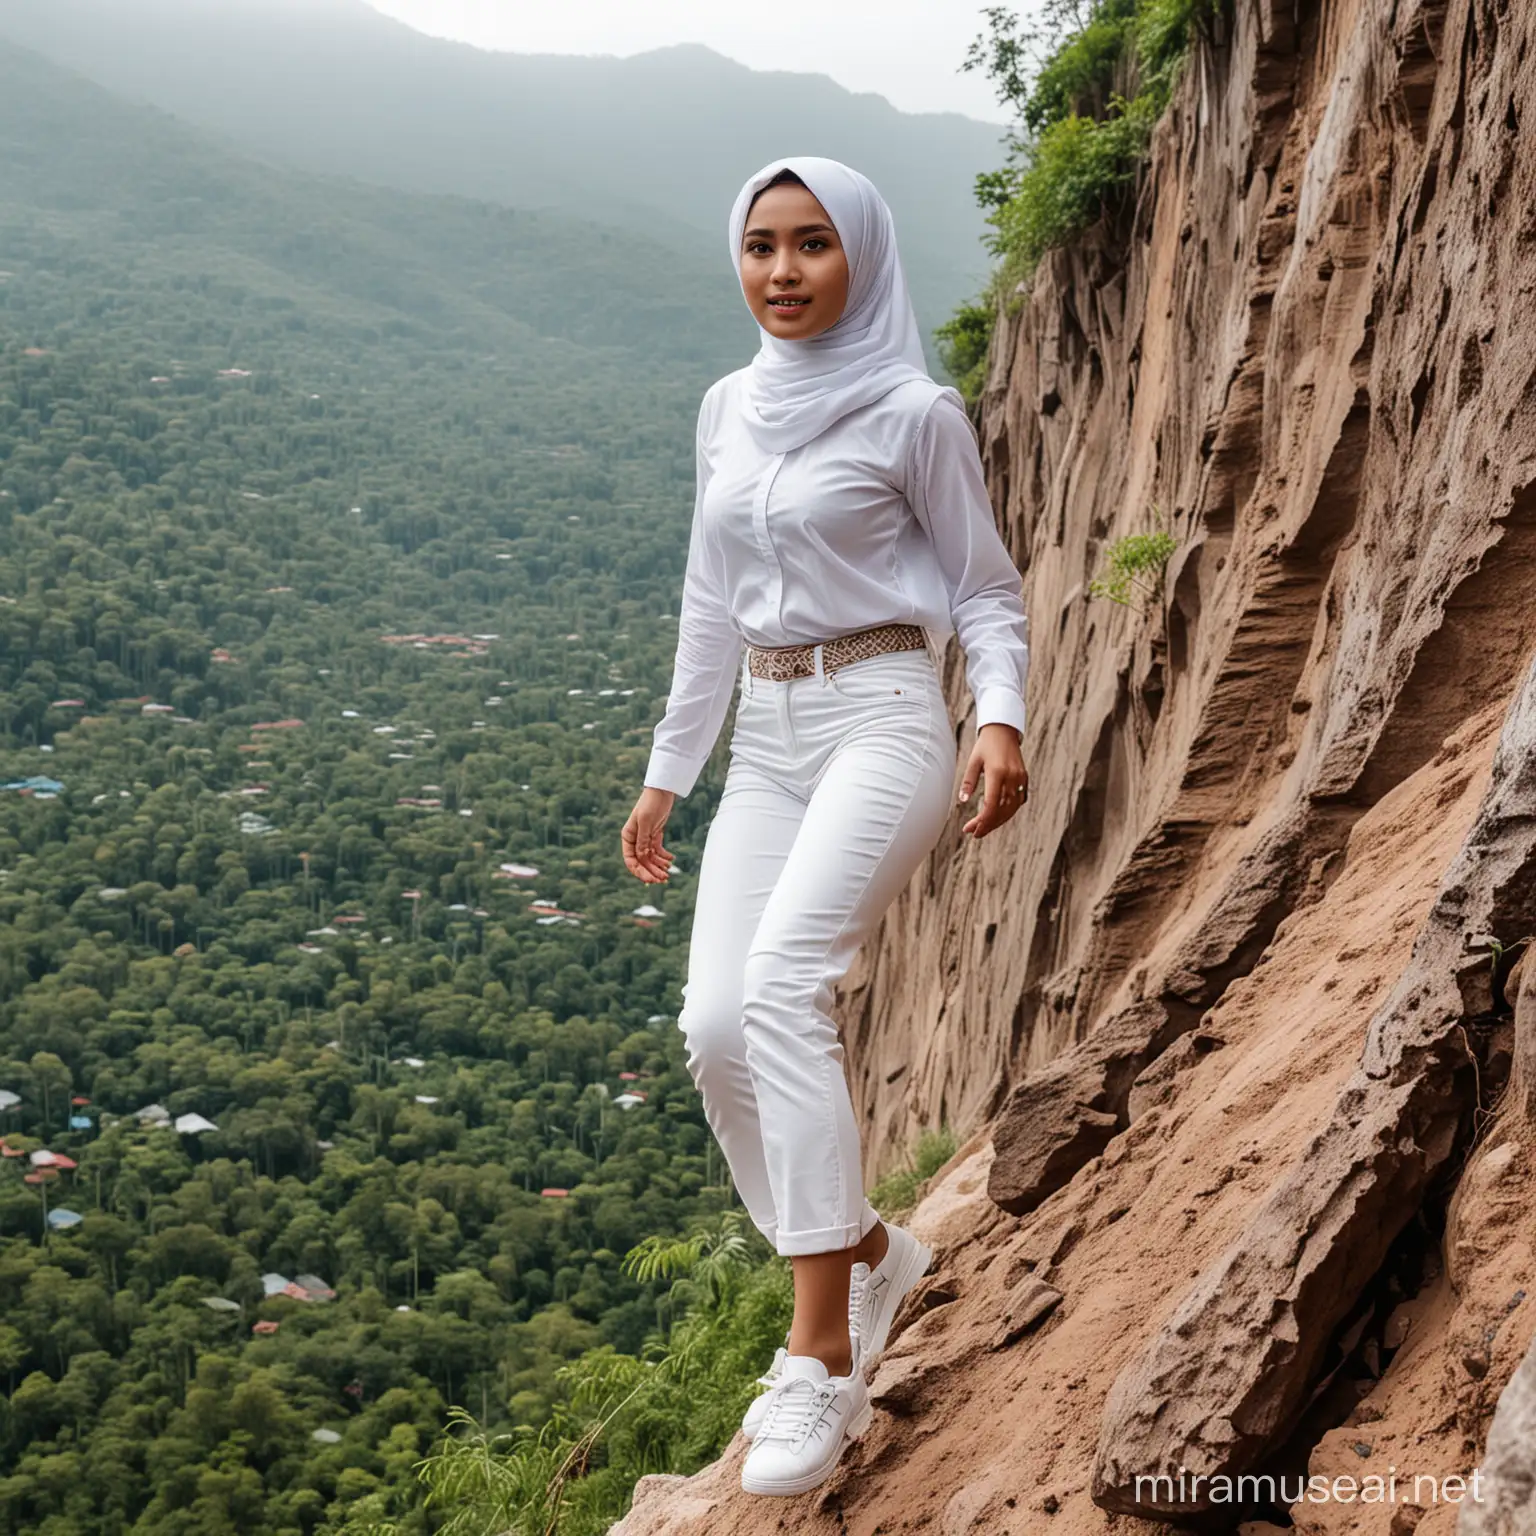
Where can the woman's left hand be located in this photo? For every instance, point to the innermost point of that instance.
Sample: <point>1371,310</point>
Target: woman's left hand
<point>995,759</point>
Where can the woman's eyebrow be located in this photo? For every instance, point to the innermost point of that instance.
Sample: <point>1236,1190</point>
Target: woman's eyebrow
<point>804,229</point>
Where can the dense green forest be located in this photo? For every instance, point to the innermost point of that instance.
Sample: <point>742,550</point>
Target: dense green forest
<point>341,534</point>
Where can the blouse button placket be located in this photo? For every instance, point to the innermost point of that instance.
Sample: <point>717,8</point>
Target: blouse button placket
<point>764,541</point>
<point>775,583</point>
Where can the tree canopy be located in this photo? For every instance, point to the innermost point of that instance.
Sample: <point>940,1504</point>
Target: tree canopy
<point>341,534</point>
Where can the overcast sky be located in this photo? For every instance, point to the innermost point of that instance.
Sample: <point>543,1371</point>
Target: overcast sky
<point>908,51</point>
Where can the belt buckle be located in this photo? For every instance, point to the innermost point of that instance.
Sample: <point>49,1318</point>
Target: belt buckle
<point>782,663</point>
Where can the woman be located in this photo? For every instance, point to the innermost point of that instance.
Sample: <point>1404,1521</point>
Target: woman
<point>841,531</point>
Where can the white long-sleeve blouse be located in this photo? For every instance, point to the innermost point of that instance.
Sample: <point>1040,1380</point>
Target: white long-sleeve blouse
<point>882,518</point>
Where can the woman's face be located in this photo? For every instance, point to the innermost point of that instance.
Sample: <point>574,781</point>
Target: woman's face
<point>794,271</point>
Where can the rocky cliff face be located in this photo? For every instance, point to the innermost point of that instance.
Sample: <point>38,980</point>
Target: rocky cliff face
<point>1229,1012</point>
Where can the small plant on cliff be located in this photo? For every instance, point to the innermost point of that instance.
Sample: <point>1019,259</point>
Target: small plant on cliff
<point>1134,564</point>
<point>897,1193</point>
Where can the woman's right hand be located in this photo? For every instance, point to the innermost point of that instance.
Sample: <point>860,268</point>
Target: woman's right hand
<point>643,852</point>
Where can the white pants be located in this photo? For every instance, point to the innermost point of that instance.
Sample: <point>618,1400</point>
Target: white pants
<point>838,787</point>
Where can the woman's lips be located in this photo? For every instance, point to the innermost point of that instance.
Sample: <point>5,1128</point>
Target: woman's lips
<point>789,309</point>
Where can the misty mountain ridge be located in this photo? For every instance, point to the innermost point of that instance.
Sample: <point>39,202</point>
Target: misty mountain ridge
<point>661,140</point>
<point>89,173</point>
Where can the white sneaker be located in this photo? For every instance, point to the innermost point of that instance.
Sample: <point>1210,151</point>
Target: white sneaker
<point>875,1295</point>
<point>759,1404</point>
<point>811,1415</point>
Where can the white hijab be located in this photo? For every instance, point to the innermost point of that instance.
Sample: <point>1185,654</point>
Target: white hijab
<point>797,389</point>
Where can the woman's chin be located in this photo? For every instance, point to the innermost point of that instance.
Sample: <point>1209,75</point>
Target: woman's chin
<point>794,328</point>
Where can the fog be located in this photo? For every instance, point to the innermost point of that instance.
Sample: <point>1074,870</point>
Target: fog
<point>655,139</point>
<point>909,51</point>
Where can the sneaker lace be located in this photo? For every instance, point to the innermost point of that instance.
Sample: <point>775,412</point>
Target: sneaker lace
<point>795,1409</point>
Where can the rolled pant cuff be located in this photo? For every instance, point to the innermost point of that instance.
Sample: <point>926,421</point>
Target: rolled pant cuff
<point>824,1239</point>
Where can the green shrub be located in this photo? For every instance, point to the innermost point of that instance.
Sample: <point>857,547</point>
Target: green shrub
<point>1073,170</point>
<point>1081,141</point>
<point>1135,564</point>
<point>672,1408</point>
<point>897,1193</point>
<point>963,341</point>
<point>1163,32</point>
<point>1079,76</point>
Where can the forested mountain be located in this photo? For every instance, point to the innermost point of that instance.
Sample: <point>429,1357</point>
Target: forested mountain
<point>650,142</point>
<point>341,533</point>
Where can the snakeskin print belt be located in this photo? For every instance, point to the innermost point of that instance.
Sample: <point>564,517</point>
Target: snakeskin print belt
<point>783,662</point>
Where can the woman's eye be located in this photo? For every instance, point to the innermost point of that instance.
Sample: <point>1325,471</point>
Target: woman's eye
<point>762,245</point>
